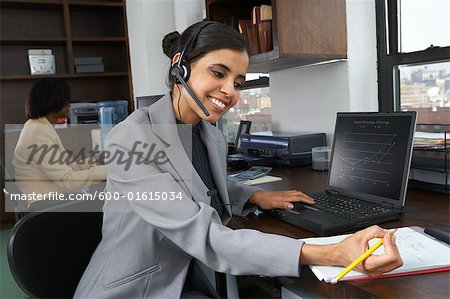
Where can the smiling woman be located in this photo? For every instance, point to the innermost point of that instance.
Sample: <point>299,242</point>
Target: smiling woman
<point>218,87</point>
<point>216,73</point>
<point>153,249</point>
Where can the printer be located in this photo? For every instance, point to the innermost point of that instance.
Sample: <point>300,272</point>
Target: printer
<point>282,149</point>
<point>102,112</point>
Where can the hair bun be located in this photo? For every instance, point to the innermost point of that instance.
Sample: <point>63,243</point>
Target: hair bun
<point>170,43</point>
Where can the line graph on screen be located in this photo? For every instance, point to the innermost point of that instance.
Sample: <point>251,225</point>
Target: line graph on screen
<point>367,157</point>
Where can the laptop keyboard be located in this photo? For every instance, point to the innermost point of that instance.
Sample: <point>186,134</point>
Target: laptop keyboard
<point>346,207</point>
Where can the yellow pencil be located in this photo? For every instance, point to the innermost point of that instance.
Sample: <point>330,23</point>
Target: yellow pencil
<point>360,259</point>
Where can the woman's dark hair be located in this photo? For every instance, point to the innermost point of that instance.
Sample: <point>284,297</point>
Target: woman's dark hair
<point>214,36</point>
<point>48,95</point>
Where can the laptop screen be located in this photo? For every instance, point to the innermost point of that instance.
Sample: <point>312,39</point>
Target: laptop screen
<point>372,154</point>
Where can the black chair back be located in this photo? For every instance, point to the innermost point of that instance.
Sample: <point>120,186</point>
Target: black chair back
<point>49,251</point>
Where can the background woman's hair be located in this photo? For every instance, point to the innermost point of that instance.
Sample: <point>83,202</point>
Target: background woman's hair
<point>215,36</point>
<point>48,95</point>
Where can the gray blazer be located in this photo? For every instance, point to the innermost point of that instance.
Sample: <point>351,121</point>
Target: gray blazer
<point>147,246</point>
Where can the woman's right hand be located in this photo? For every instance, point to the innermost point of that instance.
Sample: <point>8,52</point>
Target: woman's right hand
<point>349,249</point>
<point>353,246</point>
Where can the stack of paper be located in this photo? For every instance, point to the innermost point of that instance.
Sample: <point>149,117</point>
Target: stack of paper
<point>262,180</point>
<point>425,139</point>
<point>420,254</point>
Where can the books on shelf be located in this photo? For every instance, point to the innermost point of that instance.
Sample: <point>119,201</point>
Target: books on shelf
<point>257,30</point>
<point>265,36</point>
<point>256,15</point>
<point>420,253</point>
<point>265,13</point>
<point>89,65</point>
<point>42,62</point>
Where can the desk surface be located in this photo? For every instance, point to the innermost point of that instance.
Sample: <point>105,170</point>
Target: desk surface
<point>422,208</point>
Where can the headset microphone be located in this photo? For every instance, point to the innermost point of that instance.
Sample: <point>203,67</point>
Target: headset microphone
<point>191,92</point>
<point>180,71</point>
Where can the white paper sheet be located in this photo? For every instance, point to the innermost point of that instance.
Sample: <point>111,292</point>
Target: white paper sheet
<point>418,252</point>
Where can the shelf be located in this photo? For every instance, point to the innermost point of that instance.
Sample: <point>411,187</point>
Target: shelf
<point>105,74</point>
<point>96,3</point>
<point>34,41</point>
<point>38,2</point>
<point>93,22</point>
<point>437,149</point>
<point>225,3</point>
<point>270,61</point>
<point>430,165</point>
<point>64,76</point>
<point>31,21</point>
<point>305,32</point>
<point>85,3</point>
<point>88,40</point>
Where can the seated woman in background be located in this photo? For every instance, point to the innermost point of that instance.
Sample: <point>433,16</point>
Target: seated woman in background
<point>42,164</point>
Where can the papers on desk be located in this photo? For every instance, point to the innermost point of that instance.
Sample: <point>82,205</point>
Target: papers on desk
<point>420,254</point>
<point>425,139</point>
<point>262,180</point>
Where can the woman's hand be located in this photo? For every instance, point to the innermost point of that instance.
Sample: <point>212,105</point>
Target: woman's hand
<point>349,249</point>
<point>279,199</point>
<point>355,245</point>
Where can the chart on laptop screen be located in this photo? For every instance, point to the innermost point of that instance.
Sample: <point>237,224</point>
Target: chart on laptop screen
<point>367,157</point>
<point>370,153</point>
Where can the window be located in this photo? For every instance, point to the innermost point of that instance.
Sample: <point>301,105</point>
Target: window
<point>254,105</point>
<point>413,40</point>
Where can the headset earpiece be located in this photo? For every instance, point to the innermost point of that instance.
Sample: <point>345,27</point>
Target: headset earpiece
<point>182,70</point>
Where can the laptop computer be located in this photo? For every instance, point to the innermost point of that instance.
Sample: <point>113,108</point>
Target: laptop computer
<point>368,177</point>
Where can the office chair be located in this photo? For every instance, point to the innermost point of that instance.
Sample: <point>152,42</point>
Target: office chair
<point>10,187</point>
<point>49,251</point>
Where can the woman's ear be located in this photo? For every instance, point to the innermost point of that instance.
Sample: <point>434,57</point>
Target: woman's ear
<point>175,58</point>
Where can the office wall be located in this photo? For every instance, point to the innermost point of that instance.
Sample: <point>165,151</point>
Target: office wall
<point>306,99</point>
<point>148,22</point>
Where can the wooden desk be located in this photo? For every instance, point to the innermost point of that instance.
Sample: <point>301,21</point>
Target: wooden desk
<point>422,208</point>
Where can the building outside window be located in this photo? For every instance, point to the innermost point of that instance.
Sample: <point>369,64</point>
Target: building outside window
<point>426,89</point>
<point>254,105</point>
<point>414,58</point>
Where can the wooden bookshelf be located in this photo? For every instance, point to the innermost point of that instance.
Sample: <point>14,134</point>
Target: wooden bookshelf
<point>70,28</point>
<point>303,31</point>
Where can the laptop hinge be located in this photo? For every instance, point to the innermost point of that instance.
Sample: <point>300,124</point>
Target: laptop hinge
<point>388,204</point>
<point>332,192</point>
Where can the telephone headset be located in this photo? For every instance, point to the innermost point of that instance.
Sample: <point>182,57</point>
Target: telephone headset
<point>181,71</point>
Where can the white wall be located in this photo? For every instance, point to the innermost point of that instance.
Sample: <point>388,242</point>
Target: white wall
<point>148,22</point>
<point>306,99</point>
<point>362,53</point>
<point>188,12</point>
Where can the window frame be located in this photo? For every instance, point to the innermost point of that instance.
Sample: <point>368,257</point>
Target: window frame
<point>261,82</point>
<point>389,57</point>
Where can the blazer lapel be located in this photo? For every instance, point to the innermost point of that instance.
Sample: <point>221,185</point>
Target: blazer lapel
<point>165,127</point>
<point>216,148</point>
